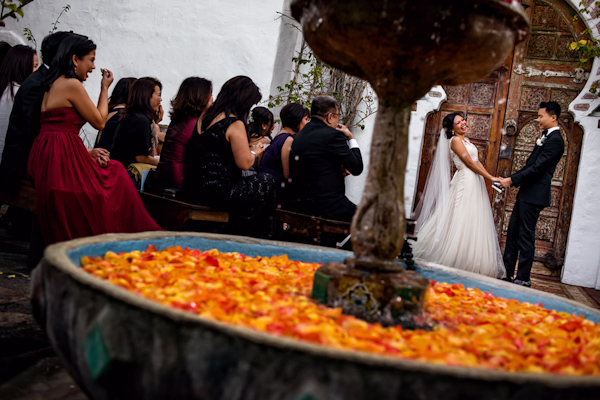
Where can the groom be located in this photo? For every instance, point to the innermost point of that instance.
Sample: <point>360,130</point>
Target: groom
<point>534,181</point>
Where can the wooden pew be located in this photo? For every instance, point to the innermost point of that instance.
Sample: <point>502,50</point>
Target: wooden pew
<point>23,198</point>
<point>302,228</point>
<point>309,229</point>
<point>176,215</point>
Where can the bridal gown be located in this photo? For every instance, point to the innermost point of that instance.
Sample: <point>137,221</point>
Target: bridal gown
<point>461,232</point>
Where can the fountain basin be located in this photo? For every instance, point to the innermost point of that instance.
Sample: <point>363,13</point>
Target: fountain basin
<point>119,345</point>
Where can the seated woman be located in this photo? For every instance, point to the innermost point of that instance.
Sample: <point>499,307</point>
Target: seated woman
<point>157,138</point>
<point>116,106</point>
<point>19,62</point>
<point>219,152</point>
<point>79,192</point>
<point>260,127</point>
<point>276,159</point>
<point>133,137</point>
<point>193,98</point>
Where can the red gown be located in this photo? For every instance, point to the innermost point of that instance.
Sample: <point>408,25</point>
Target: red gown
<point>76,197</point>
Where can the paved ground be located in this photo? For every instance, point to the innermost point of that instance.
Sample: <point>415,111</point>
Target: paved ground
<point>29,368</point>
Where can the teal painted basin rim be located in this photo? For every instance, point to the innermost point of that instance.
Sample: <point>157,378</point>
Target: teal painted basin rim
<point>312,255</point>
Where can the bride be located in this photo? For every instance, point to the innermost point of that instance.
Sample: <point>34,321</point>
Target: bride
<point>456,227</point>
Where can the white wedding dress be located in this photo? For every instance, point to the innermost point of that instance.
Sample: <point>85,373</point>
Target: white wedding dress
<point>460,232</point>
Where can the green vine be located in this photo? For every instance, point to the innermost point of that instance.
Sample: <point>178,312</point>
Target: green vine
<point>55,24</point>
<point>29,35</point>
<point>587,50</point>
<point>12,8</point>
<point>312,77</point>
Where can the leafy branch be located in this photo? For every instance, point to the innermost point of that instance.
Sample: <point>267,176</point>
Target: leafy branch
<point>12,8</point>
<point>55,24</point>
<point>29,34</point>
<point>312,77</point>
<point>587,50</point>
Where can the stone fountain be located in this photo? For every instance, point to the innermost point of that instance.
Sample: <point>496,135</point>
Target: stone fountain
<point>403,48</point>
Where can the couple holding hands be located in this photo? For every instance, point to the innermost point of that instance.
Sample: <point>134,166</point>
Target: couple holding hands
<point>456,226</point>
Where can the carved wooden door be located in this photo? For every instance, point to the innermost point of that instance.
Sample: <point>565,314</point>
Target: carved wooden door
<point>501,112</point>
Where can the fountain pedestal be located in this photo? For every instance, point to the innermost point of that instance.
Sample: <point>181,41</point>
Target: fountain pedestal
<point>387,297</point>
<point>402,48</point>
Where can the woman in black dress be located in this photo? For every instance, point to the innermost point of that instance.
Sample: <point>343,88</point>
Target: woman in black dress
<point>116,106</point>
<point>133,137</point>
<point>217,155</point>
<point>259,130</point>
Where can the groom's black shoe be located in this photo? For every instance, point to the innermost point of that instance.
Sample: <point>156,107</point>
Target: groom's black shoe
<point>522,283</point>
<point>509,279</point>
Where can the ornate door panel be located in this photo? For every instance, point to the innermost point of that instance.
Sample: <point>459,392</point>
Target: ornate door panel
<point>541,69</point>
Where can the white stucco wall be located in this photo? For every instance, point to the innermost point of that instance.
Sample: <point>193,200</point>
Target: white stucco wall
<point>171,41</point>
<point>582,262</point>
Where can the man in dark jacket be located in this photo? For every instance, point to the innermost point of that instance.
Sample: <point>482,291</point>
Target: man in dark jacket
<point>24,123</point>
<point>534,181</point>
<point>322,154</point>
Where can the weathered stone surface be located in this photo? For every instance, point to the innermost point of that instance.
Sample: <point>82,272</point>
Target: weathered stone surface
<point>157,352</point>
<point>390,298</point>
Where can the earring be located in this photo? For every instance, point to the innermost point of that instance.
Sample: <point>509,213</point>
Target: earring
<point>75,69</point>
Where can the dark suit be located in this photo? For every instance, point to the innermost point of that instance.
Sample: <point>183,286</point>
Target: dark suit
<point>317,186</point>
<point>534,181</point>
<point>23,128</point>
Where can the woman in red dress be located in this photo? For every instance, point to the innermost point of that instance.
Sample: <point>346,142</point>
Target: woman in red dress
<point>79,192</point>
<point>193,98</point>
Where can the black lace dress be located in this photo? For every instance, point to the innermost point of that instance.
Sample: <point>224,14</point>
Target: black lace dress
<point>212,178</point>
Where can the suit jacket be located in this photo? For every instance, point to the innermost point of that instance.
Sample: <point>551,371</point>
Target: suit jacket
<point>317,157</point>
<point>535,178</point>
<point>23,128</point>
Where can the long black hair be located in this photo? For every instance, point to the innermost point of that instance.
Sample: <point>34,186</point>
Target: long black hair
<point>448,124</point>
<point>62,64</point>
<point>16,67</point>
<point>120,93</point>
<point>50,45</point>
<point>236,97</point>
<point>292,115</point>
<point>140,93</point>
<point>191,99</point>
<point>260,116</point>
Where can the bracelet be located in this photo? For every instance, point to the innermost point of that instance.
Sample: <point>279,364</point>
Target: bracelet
<point>252,151</point>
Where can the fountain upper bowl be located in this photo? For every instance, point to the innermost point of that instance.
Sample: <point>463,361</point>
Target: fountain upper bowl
<point>404,47</point>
